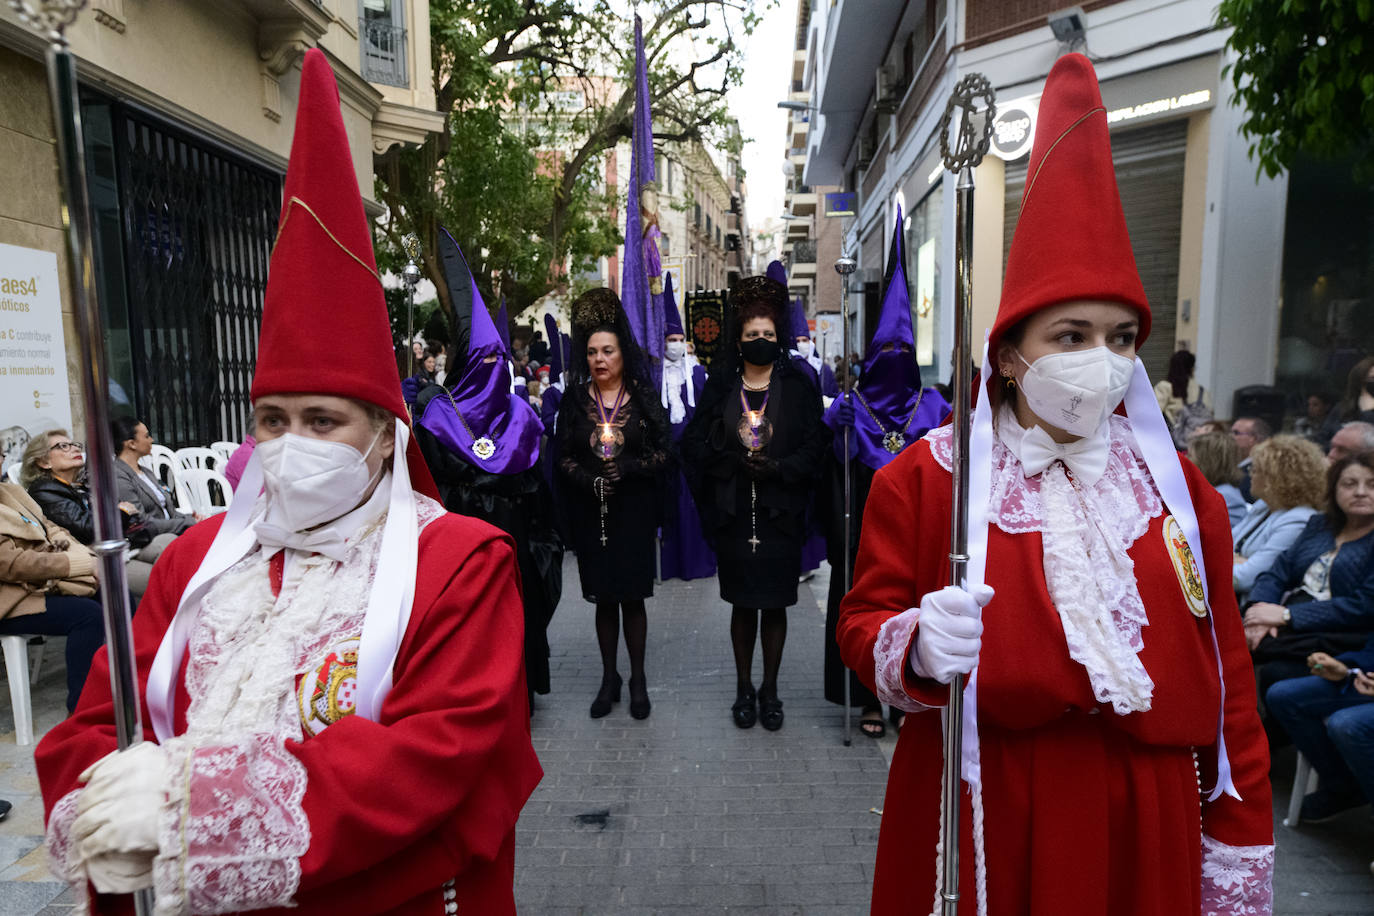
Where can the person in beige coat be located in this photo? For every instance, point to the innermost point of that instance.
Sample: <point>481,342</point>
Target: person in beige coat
<point>47,584</point>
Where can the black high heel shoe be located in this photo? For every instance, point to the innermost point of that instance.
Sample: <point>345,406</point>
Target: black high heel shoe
<point>639,699</point>
<point>608,695</point>
<point>744,712</point>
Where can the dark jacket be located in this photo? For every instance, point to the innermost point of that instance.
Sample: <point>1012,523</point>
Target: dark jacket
<point>67,505</point>
<point>1351,607</point>
<point>159,519</point>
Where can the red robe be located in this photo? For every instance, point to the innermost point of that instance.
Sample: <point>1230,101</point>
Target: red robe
<point>396,808</point>
<point>1087,811</point>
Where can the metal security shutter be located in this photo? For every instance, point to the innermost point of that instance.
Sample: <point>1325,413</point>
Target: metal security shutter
<point>1149,174</point>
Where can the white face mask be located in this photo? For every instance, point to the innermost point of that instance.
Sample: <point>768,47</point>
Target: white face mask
<point>674,350</point>
<point>312,481</point>
<point>1077,391</point>
<point>806,349</point>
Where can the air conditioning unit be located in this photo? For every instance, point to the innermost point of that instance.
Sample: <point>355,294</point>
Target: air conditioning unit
<point>885,90</point>
<point>867,149</point>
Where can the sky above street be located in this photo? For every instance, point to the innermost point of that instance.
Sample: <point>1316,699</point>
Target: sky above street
<point>767,76</point>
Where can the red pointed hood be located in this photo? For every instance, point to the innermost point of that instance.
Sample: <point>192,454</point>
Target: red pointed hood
<point>1071,240</point>
<point>325,328</point>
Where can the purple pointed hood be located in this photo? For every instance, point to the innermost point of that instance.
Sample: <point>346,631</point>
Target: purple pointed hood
<point>555,347</point>
<point>890,384</point>
<point>503,326</point>
<point>776,272</point>
<point>797,319</point>
<point>672,318</point>
<point>481,406</point>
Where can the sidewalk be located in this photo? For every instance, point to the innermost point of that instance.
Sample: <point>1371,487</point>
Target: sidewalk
<point>683,812</point>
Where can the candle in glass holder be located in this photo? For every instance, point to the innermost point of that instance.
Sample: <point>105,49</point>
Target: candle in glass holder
<point>607,440</point>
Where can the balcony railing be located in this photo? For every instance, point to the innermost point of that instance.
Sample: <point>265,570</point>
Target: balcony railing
<point>804,251</point>
<point>384,53</point>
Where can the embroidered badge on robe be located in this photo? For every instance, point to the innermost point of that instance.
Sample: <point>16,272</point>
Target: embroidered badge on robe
<point>329,693</point>
<point>1185,565</point>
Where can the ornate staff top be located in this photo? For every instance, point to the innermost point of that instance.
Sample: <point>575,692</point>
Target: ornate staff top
<point>51,17</point>
<point>973,97</point>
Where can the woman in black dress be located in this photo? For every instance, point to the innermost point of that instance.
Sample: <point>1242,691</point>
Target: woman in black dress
<point>613,447</point>
<point>754,450</point>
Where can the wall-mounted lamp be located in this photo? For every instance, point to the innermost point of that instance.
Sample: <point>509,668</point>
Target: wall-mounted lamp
<point>1068,25</point>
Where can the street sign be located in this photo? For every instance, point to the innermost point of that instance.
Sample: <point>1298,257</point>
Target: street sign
<point>841,203</point>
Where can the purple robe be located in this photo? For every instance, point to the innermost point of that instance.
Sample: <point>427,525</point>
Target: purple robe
<point>685,553</point>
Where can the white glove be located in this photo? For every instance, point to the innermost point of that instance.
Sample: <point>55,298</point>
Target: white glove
<point>949,633</point>
<point>118,809</point>
<point>120,872</point>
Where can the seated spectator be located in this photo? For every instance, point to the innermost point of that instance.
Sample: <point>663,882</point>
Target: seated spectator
<point>1351,439</point>
<point>1319,594</point>
<point>1288,478</point>
<point>1214,426</point>
<point>1214,454</point>
<point>1321,421</point>
<point>1330,718</point>
<point>1248,433</point>
<point>1358,402</point>
<point>52,473</point>
<point>156,509</point>
<point>1184,402</point>
<point>47,585</point>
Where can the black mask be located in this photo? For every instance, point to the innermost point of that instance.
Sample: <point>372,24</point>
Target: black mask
<point>1369,387</point>
<point>760,351</point>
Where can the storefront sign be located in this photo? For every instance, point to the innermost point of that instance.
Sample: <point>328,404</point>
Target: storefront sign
<point>1160,106</point>
<point>33,351</point>
<point>1013,130</point>
<point>841,203</point>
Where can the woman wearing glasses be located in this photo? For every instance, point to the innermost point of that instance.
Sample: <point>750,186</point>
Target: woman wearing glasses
<point>53,472</point>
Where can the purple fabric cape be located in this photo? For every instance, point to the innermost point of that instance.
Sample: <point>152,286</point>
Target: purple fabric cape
<point>891,381</point>
<point>482,396</point>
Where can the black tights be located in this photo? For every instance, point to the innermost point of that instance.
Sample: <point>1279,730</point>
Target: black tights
<point>608,614</point>
<point>744,625</point>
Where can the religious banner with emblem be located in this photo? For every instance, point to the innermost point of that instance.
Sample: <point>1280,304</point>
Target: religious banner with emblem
<point>706,321</point>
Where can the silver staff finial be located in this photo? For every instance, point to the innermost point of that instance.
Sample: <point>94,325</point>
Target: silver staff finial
<point>51,17</point>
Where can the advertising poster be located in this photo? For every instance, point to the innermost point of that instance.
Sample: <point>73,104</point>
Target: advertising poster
<point>924,303</point>
<point>33,352</point>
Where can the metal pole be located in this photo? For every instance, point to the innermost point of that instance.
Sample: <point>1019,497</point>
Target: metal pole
<point>411,275</point>
<point>962,160</point>
<point>110,546</point>
<point>844,267</point>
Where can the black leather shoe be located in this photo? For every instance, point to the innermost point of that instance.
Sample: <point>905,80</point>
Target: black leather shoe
<point>770,711</point>
<point>4,809</point>
<point>639,699</point>
<point>744,712</point>
<point>608,695</point>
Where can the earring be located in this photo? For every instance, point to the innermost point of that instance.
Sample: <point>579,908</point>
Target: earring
<point>1010,380</point>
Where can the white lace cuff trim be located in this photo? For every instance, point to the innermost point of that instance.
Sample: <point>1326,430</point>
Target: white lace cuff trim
<point>1237,880</point>
<point>233,830</point>
<point>63,860</point>
<point>889,659</point>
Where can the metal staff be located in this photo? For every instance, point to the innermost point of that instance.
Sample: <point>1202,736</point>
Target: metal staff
<point>50,18</point>
<point>411,274</point>
<point>973,100</point>
<point>845,266</point>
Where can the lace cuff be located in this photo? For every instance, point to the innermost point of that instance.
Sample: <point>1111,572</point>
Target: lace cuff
<point>889,660</point>
<point>233,830</point>
<point>63,861</point>
<point>1237,880</point>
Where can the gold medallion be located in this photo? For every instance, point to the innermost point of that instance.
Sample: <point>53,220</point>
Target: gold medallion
<point>894,441</point>
<point>484,448</point>
<point>1185,566</point>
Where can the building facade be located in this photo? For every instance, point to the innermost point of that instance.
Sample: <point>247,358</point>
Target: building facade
<point>188,111</point>
<point>1208,236</point>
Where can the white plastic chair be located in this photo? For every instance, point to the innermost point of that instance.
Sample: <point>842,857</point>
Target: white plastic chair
<point>1304,783</point>
<point>12,475</point>
<point>163,463</point>
<point>197,483</point>
<point>197,457</point>
<point>16,649</point>
<point>224,449</point>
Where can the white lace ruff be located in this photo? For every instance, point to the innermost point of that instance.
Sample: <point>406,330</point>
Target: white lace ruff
<point>1237,880</point>
<point>1086,533</point>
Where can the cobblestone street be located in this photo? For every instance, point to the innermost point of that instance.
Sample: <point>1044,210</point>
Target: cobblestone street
<point>682,812</point>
